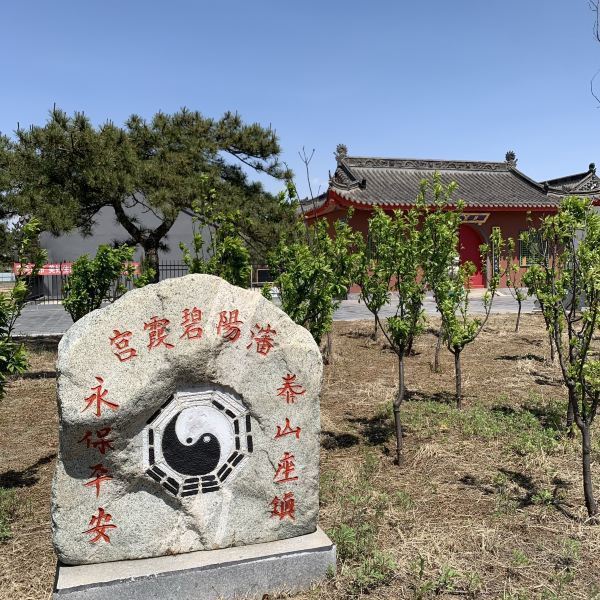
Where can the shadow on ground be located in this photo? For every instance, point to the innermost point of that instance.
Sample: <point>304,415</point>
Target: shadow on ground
<point>362,334</point>
<point>525,492</point>
<point>27,477</point>
<point>534,357</point>
<point>375,430</point>
<point>39,375</point>
<point>330,440</point>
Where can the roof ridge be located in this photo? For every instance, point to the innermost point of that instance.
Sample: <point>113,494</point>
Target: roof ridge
<point>529,180</point>
<point>424,163</point>
<point>567,178</point>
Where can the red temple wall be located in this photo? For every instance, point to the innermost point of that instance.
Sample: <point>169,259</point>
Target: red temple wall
<point>511,222</point>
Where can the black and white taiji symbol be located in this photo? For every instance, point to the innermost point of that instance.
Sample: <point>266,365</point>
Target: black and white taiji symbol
<point>187,445</point>
<point>197,441</point>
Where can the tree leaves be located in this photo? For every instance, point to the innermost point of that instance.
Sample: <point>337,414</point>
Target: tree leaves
<point>13,357</point>
<point>91,280</point>
<point>313,271</point>
<point>65,171</point>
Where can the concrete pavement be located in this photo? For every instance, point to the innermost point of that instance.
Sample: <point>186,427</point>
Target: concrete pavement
<point>43,319</point>
<point>53,319</point>
<point>354,310</point>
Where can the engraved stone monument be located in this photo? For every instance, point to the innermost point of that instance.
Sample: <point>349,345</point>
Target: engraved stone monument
<point>189,447</point>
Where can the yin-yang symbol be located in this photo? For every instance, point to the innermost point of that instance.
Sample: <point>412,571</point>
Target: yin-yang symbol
<point>196,440</point>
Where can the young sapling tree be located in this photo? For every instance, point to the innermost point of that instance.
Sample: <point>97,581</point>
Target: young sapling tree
<point>566,281</point>
<point>537,248</point>
<point>313,270</point>
<point>371,274</point>
<point>513,279</point>
<point>451,285</point>
<point>400,249</point>
<point>228,256</point>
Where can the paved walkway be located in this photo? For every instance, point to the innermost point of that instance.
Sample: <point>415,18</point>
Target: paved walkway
<point>53,319</point>
<point>43,319</point>
<point>353,310</point>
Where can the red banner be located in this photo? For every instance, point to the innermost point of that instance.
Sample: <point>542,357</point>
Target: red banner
<point>63,268</point>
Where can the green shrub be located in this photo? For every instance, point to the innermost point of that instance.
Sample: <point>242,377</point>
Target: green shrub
<point>229,254</point>
<point>95,280</point>
<point>13,357</point>
<point>375,570</point>
<point>543,498</point>
<point>313,270</point>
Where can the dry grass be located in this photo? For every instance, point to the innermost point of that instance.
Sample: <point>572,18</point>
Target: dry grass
<point>486,504</point>
<point>28,443</point>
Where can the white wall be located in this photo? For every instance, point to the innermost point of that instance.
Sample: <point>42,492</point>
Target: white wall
<point>70,246</point>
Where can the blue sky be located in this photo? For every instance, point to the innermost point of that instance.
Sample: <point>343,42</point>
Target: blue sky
<point>468,79</point>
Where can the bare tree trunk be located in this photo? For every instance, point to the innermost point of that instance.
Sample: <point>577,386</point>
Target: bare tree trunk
<point>151,260</point>
<point>397,403</point>
<point>551,347</point>
<point>375,329</point>
<point>458,376</point>
<point>438,347</point>
<point>570,419</point>
<point>588,489</point>
<point>518,316</point>
<point>570,425</point>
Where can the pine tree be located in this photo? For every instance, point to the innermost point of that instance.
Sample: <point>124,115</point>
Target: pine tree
<point>65,171</point>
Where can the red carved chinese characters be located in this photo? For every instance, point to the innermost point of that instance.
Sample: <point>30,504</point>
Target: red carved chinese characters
<point>101,443</point>
<point>287,430</point>
<point>191,323</point>
<point>99,398</point>
<point>157,331</point>
<point>286,469</point>
<point>229,325</point>
<point>120,340</point>
<point>284,507</point>
<point>263,338</point>
<point>290,389</point>
<point>99,475</point>
<point>99,524</point>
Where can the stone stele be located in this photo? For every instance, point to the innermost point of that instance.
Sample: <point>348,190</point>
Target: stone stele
<point>189,420</point>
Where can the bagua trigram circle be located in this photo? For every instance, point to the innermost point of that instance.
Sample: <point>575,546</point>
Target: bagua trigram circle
<point>198,441</point>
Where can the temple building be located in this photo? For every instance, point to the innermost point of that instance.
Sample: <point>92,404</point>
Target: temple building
<point>495,194</point>
<point>580,184</point>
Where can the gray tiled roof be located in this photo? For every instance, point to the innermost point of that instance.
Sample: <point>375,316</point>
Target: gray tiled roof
<point>392,181</point>
<point>310,204</point>
<point>587,183</point>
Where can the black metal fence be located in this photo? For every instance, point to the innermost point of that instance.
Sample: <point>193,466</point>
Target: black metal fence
<point>49,289</point>
<point>169,270</point>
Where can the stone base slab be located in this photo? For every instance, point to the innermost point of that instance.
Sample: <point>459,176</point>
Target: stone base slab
<point>251,571</point>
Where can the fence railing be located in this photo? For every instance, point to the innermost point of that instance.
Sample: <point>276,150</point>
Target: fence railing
<point>49,289</point>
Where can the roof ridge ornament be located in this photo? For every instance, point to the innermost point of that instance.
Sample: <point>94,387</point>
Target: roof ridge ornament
<point>592,168</point>
<point>341,152</point>
<point>511,158</point>
<point>423,164</point>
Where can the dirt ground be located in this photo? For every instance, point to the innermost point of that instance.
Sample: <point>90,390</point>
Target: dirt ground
<point>487,502</point>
